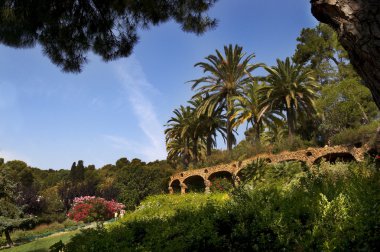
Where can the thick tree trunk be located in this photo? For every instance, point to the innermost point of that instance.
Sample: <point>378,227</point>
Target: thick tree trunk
<point>209,144</point>
<point>357,23</point>
<point>186,156</point>
<point>195,150</point>
<point>8,238</point>
<point>290,119</point>
<point>257,133</point>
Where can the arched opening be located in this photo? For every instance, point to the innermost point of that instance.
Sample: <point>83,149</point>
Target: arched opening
<point>336,157</point>
<point>358,145</point>
<point>371,153</point>
<point>221,174</point>
<point>221,181</point>
<point>309,153</point>
<point>195,184</point>
<point>241,174</point>
<point>176,185</point>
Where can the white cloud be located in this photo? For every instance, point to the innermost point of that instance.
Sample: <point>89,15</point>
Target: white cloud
<point>138,90</point>
<point>118,142</point>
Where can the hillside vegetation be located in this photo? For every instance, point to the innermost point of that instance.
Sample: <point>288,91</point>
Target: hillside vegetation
<point>279,207</point>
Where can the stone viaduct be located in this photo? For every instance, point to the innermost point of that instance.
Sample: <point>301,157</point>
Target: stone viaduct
<point>181,180</point>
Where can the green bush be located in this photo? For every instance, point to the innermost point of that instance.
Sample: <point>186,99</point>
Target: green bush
<point>280,207</point>
<point>363,134</point>
<point>221,185</point>
<point>296,143</point>
<point>242,151</point>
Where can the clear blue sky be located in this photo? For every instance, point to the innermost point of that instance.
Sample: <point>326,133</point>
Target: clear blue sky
<point>50,119</point>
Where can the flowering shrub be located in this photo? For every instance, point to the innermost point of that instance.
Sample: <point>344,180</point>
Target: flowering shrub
<point>91,208</point>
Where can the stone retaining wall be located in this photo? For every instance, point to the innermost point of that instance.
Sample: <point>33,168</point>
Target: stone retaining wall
<point>309,156</point>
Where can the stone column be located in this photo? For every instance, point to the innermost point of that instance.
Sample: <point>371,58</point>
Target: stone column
<point>171,191</point>
<point>236,181</point>
<point>183,188</point>
<point>207,186</point>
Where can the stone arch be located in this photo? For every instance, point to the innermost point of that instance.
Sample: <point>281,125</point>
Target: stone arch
<point>176,186</point>
<point>222,174</point>
<point>336,156</point>
<point>195,183</point>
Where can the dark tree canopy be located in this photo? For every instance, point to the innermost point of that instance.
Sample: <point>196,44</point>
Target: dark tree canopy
<point>68,29</point>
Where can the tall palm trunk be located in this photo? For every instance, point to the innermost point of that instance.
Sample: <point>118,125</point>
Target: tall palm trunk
<point>209,144</point>
<point>290,117</point>
<point>195,149</point>
<point>229,125</point>
<point>229,130</point>
<point>186,156</point>
<point>229,135</point>
<point>257,138</point>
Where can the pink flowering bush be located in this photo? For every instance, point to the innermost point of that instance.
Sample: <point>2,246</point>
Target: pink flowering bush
<point>91,208</point>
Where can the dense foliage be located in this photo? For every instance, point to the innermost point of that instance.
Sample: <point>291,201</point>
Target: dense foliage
<point>11,214</point>
<point>281,207</point>
<point>107,28</point>
<point>30,196</point>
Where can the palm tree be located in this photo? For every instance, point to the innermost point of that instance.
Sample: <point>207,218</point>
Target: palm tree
<point>226,77</point>
<point>178,135</point>
<point>209,123</point>
<point>183,135</point>
<point>249,108</point>
<point>179,151</point>
<point>292,88</point>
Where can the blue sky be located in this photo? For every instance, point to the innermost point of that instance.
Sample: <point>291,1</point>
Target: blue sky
<point>118,109</point>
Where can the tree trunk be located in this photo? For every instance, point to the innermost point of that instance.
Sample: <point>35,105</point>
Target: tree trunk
<point>8,238</point>
<point>357,23</point>
<point>229,133</point>
<point>377,140</point>
<point>257,133</point>
<point>209,145</point>
<point>290,119</point>
<point>186,156</point>
<point>195,150</point>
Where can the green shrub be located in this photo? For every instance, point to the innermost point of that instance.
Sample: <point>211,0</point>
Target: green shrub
<point>287,144</point>
<point>280,207</point>
<point>363,134</point>
<point>241,152</point>
<point>221,185</point>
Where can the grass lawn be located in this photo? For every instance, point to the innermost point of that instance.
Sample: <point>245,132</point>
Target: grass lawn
<point>43,244</point>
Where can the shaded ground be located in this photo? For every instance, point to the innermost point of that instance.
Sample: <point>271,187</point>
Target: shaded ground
<point>43,244</point>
